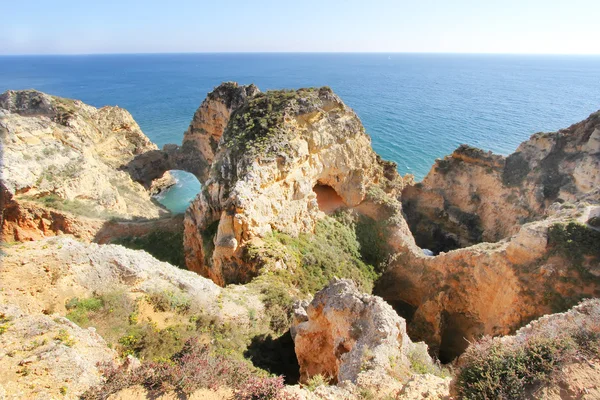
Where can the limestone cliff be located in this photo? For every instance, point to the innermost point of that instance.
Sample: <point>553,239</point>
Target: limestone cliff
<point>358,342</point>
<point>45,355</point>
<point>472,196</point>
<point>60,166</point>
<point>278,152</point>
<point>537,268</point>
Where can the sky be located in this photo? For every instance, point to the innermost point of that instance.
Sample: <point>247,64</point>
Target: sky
<point>160,26</point>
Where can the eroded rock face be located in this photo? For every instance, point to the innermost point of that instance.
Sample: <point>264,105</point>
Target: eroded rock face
<point>346,333</point>
<point>472,196</point>
<point>43,354</point>
<point>48,356</point>
<point>200,141</point>
<point>64,155</point>
<point>275,149</point>
<point>542,266</point>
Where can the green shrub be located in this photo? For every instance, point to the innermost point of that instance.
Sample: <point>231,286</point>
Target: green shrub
<point>574,241</point>
<point>169,301</point>
<point>508,369</point>
<point>315,381</point>
<point>80,309</point>
<point>332,251</point>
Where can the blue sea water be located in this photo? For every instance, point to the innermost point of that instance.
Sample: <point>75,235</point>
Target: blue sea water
<point>416,107</point>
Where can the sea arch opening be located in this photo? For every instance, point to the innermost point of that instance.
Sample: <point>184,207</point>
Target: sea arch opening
<point>181,189</point>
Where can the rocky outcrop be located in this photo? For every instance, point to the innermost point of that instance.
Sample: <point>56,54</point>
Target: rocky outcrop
<point>277,153</point>
<point>344,333</point>
<point>61,161</point>
<point>47,357</point>
<point>74,269</point>
<point>200,141</point>
<point>542,266</point>
<point>568,343</point>
<point>356,340</point>
<point>472,196</point>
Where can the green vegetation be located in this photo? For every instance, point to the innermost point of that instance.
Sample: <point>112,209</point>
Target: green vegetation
<point>496,369</point>
<point>117,318</point>
<point>332,251</point>
<point>80,309</point>
<point>165,246</point>
<point>278,305</point>
<point>421,363</point>
<point>4,323</point>
<point>574,241</point>
<point>515,170</point>
<point>169,301</point>
<point>64,337</point>
<point>257,128</point>
<point>315,381</point>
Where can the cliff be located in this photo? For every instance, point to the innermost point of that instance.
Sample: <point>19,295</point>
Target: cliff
<point>117,301</point>
<point>522,235</point>
<point>283,158</point>
<point>61,166</point>
<point>472,196</point>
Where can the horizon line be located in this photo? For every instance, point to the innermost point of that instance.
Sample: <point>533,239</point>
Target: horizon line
<point>295,52</point>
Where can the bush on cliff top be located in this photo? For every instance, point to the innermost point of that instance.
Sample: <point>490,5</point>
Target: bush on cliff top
<point>257,127</point>
<point>574,241</point>
<point>509,369</point>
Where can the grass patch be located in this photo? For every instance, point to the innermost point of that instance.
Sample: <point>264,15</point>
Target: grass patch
<point>315,259</point>
<point>165,246</point>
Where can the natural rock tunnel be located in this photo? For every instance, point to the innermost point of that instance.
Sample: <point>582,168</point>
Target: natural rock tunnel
<point>147,167</point>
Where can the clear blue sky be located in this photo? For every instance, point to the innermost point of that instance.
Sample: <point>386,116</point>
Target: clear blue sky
<point>463,26</point>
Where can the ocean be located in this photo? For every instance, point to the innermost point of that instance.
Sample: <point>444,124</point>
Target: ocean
<point>416,107</point>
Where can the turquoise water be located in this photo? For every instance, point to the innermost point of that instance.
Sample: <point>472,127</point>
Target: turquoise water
<point>178,197</point>
<point>416,107</point>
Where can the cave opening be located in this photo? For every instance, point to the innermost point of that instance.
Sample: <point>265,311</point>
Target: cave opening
<point>457,331</point>
<point>275,355</point>
<point>328,199</point>
<point>403,309</point>
<point>437,230</point>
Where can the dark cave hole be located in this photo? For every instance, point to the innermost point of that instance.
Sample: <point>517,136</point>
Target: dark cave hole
<point>403,309</point>
<point>457,330</point>
<point>275,355</point>
<point>328,199</point>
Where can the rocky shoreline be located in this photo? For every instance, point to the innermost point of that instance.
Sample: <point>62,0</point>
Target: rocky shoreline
<point>293,198</point>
